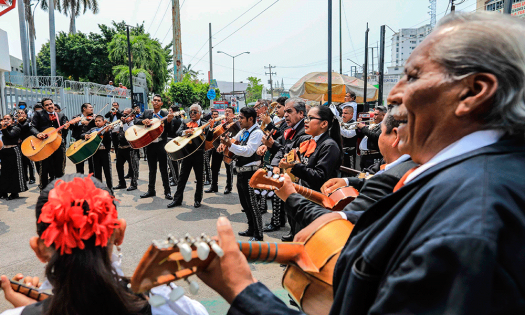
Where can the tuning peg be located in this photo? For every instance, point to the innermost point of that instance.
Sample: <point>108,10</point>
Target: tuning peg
<point>275,176</point>
<point>269,174</point>
<point>281,179</point>
<point>185,251</point>
<point>203,250</point>
<point>194,287</point>
<point>176,294</point>
<point>216,248</point>
<point>156,301</point>
<point>256,191</point>
<point>264,192</point>
<point>271,193</point>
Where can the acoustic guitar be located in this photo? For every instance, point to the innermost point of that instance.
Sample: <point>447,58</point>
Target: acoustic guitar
<point>140,136</point>
<point>336,201</point>
<point>81,150</point>
<point>1,144</point>
<point>37,149</point>
<point>184,146</point>
<point>31,292</point>
<point>232,128</point>
<point>308,277</point>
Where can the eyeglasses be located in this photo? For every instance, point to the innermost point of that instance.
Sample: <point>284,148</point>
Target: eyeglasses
<point>309,118</point>
<point>194,111</point>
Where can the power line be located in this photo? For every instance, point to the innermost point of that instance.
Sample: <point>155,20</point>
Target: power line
<point>162,19</point>
<point>237,18</point>
<point>348,28</point>
<point>158,7</point>
<point>246,23</point>
<point>171,26</point>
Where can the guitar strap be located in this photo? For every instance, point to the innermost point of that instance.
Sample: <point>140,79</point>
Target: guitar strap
<point>37,308</point>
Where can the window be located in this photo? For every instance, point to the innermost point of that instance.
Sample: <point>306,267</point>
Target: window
<point>397,49</point>
<point>412,42</point>
<point>397,44</point>
<point>16,69</point>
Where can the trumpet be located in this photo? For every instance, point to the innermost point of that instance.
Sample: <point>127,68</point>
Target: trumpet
<point>353,125</point>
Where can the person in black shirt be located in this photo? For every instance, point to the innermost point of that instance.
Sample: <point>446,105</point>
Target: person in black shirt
<point>101,158</point>
<point>125,153</point>
<point>87,123</point>
<point>11,178</point>
<point>54,166</point>
<point>173,127</point>
<point>25,131</point>
<point>113,115</point>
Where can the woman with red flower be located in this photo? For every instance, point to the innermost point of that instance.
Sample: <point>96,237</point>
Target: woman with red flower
<point>78,225</point>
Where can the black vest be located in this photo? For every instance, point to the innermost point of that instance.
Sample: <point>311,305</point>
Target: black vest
<point>242,160</point>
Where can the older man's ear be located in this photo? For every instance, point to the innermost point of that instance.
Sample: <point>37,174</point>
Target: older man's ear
<point>477,95</point>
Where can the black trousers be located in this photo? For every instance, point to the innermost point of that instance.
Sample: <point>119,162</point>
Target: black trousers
<point>216,161</point>
<point>80,166</point>
<point>52,167</point>
<point>369,160</point>
<point>114,140</point>
<point>156,153</point>
<point>278,213</point>
<point>102,162</point>
<point>194,161</point>
<point>27,165</point>
<point>207,168</point>
<point>349,157</point>
<point>123,156</point>
<point>174,170</point>
<point>249,203</point>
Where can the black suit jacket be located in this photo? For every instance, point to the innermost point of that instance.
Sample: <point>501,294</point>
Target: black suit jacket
<point>282,146</point>
<point>183,126</point>
<point>78,129</point>
<point>173,127</point>
<point>110,115</point>
<point>373,136</point>
<point>148,114</point>
<point>322,165</point>
<point>448,242</point>
<point>373,190</point>
<point>41,122</point>
<point>25,129</point>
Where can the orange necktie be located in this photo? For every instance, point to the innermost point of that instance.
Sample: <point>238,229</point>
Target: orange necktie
<point>401,182</point>
<point>192,124</point>
<point>382,167</point>
<point>308,147</point>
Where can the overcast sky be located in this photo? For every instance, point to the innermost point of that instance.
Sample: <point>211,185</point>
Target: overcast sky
<point>291,35</point>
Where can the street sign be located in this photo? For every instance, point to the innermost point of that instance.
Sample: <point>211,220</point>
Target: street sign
<point>211,95</point>
<point>6,6</point>
<point>213,84</point>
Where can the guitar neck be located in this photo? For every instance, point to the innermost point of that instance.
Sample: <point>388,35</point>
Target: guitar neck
<point>282,253</point>
<point>313,195</point>
<point>28,291</point>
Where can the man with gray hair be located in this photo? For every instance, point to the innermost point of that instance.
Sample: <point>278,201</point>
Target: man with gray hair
<point>451,238</point>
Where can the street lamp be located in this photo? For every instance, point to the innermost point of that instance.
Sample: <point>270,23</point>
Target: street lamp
<point>233,57</point>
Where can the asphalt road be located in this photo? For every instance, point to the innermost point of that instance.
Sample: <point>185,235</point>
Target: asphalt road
<point>147,219</point>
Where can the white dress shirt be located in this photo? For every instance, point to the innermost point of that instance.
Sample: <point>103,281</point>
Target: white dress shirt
<point>254,141</point>
<point>468,143</point>
<point>399,160</point>
<point>348,133</point>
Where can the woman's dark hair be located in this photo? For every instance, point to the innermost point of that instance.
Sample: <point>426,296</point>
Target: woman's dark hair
<point>249,112</point>
<point>325,113</point>
<point>84,282</point>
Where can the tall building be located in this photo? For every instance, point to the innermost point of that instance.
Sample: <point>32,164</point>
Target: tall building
<point>403,43</point>
<point>518,6</point>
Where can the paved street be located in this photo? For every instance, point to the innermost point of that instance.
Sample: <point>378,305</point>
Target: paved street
<point>147,219</point>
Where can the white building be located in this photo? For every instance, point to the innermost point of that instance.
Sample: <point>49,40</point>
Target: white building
<point>403,43</point>
<point>518,6</point>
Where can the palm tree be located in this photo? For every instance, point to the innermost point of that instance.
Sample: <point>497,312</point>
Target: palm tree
<point>73,8</point>
<point>30,19</point>
<point>193,74</point>
<point>121,74</point>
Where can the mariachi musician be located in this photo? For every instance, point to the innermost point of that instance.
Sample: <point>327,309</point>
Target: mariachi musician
<point>369,147</point>
<point>156,152</point>
<point>194,161</point>
<point>113,115</point>
<point>25,131</point>
<point>173,127</point>
<point>217,159</point>
<point>53,166</point>
<point>207,157</point>
<point>87,123</point>
<point>11,178</point>
<point>101,158</point>
<point>125,153</point>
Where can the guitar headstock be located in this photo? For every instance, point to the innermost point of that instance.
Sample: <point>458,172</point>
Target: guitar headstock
<point>173,259</point>
<point>263,179</point>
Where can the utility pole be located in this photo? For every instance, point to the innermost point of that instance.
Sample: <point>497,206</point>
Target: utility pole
<point>329,52</point>
<point>271,82</point>
<point>507,7</point>
<point>340,41</point>
<point>373,58</point>
<point>129,65</point>
<point>365,69</point>
<point>52,44</point>
<point>381,66</point>
<point>211,60</point>
<point>452,7</point>
<point>177,45</point>
<point>23,37</point>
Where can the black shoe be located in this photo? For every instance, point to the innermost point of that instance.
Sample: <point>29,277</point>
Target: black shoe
<point>31,181</point>
<point>287,238</point>
<point>13,196</point>
<point>263,211</point>
<point>3,196</point>
<point>148,194</point>
<point>206,183</point>
<point>270,228</point>
<point>146,159</point>
<point>130,188</point>
<point>248,232</point>
<point>212,189</point>
<point>127,176</point>
<point>173,183</point>
<point>227,190</point>
<point>255,239</point>
<point>120,186</point>
<point>167,196</point>
<point>197,204</point>
<point>174,203</point>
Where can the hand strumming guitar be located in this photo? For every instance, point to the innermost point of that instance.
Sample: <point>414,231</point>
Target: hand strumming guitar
<point>226,141</point>
<point>262,150</point>
<point>41,136</point>
<point>146,122</point>
<point>332,184</point>
<point>268,141</point>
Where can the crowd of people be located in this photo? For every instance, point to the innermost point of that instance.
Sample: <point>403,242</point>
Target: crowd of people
<point>438,228</point>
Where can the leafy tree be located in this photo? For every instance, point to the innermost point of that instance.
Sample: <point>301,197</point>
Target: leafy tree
<point>254,90</point>
<point>190,91</point>
<point>73,8</point>
<point>121,74</point>
<point>193,74</point>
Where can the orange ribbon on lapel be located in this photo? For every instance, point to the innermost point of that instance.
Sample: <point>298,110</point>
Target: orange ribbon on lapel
<point>192,124</point>
<point>307,147</point>
<point>401,182</point>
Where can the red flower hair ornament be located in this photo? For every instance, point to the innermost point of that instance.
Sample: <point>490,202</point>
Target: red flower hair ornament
<point>69,226</point>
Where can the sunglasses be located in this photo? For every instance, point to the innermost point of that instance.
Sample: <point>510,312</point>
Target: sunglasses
<point>194,111</point>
